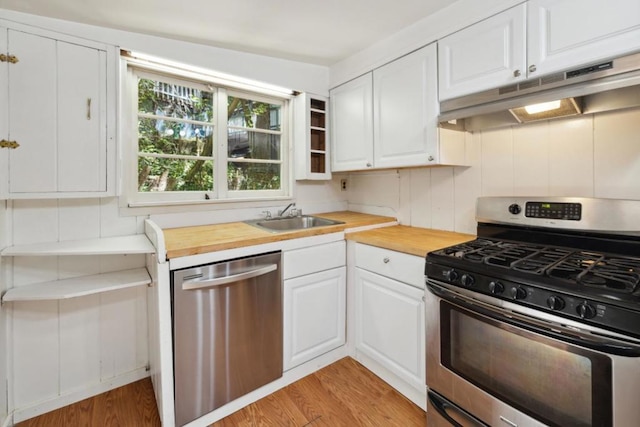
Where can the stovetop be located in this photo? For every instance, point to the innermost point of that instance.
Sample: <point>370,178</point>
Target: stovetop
<point>572,257</point>
<point>565,268</point>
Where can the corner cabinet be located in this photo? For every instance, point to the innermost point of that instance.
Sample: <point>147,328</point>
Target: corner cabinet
<point>390,318</point>
<point>311,136</point>
<point>352,125</point>
<point>57,115</point>
<point>534,39</point>
<point>388,118</point>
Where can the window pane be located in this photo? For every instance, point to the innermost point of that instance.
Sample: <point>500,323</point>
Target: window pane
<point>253,145</point>
<point>253,114</point>
<point>253,176</point>
<point>164,99</point>
<point>168,137</point>
<point>159,174</point>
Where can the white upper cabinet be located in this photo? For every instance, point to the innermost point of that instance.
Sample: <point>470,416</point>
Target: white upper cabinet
<point>351,113</point>
<point>534,39</point>
<point>567,33</point>
<point>388,118</point>
<point>488,54</point>
<point>55,116</point>
<point>405,110</point>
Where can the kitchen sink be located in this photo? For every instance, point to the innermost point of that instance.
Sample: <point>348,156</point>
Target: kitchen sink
<point>303,222</point>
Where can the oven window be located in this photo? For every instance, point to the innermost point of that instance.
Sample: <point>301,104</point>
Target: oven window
<point>555,382</point>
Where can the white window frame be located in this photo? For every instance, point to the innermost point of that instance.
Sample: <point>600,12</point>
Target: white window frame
<point>220,192</point>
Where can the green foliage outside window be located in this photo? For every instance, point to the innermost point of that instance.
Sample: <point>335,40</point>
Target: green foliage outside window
<point>182,125</point>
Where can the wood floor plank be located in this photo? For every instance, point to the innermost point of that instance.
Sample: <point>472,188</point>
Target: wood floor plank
<point>343,394</point>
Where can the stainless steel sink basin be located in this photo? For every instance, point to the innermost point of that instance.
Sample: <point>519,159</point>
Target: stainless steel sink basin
<point>279,225</point>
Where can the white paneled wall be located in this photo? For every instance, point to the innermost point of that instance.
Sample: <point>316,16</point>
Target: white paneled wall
<point>590,156</point>
<point>4,275</point>
<point>61,351</point>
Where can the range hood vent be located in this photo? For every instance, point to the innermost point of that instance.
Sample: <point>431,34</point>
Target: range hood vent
<point>605,86</point>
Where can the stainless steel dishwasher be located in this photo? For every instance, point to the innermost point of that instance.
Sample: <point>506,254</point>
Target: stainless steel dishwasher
<point>227,331</point>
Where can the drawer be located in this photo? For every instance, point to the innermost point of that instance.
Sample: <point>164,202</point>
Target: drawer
<point>309,260</point>
<point>395,265</point>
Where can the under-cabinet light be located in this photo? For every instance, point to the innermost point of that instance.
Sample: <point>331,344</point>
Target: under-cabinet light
<point>542,107</point>
<point>547,110</point>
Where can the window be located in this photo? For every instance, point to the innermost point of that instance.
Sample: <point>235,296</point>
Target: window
<point>197,141</point>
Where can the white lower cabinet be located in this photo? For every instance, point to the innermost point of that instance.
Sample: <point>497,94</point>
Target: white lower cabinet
<point>389,320</point>
<point>314,315</point>
<point>314,302</point>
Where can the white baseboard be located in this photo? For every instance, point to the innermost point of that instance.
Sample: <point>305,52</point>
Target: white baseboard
<point>7,421</point>
<point>419,397</point>
<point>22,414</point>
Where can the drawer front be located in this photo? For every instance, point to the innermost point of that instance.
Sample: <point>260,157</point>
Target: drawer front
<point>309,260</point>
<point>395,265</point>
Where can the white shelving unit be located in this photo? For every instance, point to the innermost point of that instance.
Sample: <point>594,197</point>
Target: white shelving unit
<point>79,286</point>
<point>83,285</point>
<point>136,244</point>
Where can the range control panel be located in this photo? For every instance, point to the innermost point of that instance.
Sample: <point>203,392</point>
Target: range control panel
<point>549,210</point>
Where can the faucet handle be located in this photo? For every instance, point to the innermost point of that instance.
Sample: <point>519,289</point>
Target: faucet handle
<point>267,214</point>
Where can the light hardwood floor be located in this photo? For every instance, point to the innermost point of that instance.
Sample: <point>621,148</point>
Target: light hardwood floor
<point>342,394</point>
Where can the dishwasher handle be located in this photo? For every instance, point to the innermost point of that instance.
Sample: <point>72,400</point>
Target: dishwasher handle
<point>195,284</point>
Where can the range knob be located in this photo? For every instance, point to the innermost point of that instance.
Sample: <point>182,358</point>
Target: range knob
<point>586,310</point>
<point>515,209</point>
<point>467,280</point>
<point>451,275</point>
<point>555,302</point>
<point>496,288</point>
<point>518,293</point>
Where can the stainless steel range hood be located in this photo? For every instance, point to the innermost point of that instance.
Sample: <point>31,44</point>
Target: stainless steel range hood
<point>603,86</point>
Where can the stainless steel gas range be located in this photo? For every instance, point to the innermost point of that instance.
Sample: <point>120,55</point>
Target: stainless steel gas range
<point>537,321</point>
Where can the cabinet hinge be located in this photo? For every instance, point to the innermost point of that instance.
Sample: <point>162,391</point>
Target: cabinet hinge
<point>8,58</point>
<point>8,144</point>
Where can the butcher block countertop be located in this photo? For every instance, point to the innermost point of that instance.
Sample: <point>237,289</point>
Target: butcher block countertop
<point>410,240</point>
<point>186,241</point>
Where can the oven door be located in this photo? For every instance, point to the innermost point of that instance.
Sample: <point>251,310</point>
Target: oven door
<point>508,368</point>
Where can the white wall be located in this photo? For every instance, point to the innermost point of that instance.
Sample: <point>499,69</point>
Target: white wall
<point>590,156</point>
<point>291,74</point>
<point>4,275</point>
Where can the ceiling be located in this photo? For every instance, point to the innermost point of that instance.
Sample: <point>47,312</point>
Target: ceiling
<point>315,31</point>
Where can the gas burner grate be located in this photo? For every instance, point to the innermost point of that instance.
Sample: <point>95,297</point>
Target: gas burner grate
<point>466,250</point>
<point>540,261</point>
<point>599,271</point>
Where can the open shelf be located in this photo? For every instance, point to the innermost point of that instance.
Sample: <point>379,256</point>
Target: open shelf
<point>79,286</point>
<point>136,244</point>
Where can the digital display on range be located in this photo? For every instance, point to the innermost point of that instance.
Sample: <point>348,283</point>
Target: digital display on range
<point>547,210</point>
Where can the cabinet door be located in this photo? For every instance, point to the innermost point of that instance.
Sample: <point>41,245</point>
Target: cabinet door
<point>568,33</point>
<point>32,113</point>
<point>351,125</point>
<point>485,55</point>
<point>405,109</point>
<point>314,315</point>
<point>57,111</point>
<point>390,325</point>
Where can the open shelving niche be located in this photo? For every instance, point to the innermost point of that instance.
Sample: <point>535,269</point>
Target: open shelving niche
<point>83,285</point>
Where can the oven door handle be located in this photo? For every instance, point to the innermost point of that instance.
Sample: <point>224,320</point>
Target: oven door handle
<point>598,343</point>
<point>443,407</point>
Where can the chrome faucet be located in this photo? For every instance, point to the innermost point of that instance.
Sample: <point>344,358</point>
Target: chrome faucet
<point>281,213</point>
